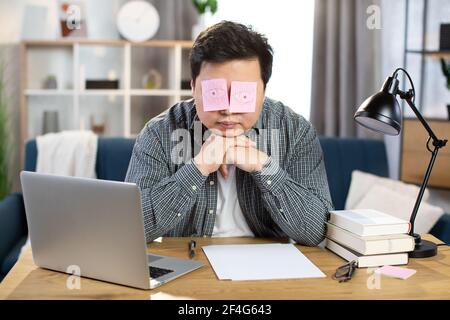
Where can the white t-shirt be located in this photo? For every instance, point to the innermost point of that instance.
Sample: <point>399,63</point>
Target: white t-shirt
<point>230,221</point>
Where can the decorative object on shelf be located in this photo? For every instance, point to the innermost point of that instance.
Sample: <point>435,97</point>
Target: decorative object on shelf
<point>102,84</point>
<point>50,82</point>
<point>50,122</point>
<point>202,6</point>
<point>72,17</point>
<point>381,113</point>
<point>446,71</point>
<point>444,37</point>
<point>98,123</point>
<point>152,79</point>
<point>137,21</point>
<point>5,146</point>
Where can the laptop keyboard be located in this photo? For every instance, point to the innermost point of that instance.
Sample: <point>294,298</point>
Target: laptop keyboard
<point>158,272</point>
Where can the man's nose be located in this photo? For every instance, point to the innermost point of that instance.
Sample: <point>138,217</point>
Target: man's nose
<point>225,112</point>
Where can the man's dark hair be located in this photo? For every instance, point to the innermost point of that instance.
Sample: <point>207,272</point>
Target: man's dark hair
<point>227,41</point>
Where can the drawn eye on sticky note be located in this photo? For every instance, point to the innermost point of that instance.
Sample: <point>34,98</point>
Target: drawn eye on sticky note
<point>243,96</point>
<point>215,94</point>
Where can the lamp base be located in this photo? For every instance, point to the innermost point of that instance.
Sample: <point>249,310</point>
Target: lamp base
<point>423,248</point>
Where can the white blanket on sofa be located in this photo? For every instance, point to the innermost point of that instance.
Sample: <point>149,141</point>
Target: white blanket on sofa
<point>68,153</point>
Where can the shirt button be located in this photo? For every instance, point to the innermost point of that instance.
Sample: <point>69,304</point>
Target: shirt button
<point>281,210</point>
<point>269,182</point>
<point>194,188</point>
<point>179,215</point>
<point>211,183</point>
<point>211,211</point>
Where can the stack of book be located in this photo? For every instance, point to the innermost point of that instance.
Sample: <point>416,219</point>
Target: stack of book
<point>369,237</point>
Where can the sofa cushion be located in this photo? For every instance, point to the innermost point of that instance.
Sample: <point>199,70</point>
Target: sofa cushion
<point>113,157</point>
<point>31,155</point>
<point>13,224</point>
<point>400,205</point>
<point>11,258</point>
<point>362,182</point>
<point>343,155</point>
<point>441,229</point>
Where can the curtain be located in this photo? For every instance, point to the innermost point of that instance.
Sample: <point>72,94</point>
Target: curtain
<point>346,65</point>
<point>176,19</point>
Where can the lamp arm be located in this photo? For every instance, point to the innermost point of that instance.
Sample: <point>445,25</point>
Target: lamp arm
<point>407,97</point>
<point>422,189</point>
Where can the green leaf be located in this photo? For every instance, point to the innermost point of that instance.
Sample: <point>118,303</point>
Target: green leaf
<point>203,5</point>
<point>212,6</point>
<point>5,186</point>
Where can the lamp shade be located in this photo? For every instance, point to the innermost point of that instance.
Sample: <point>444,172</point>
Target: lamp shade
<point>380,112</point>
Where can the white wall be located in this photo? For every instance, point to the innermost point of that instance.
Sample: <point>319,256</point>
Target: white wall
<point>288,25</point>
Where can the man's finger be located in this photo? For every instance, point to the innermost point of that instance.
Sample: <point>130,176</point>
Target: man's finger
<point>223,169</point>
<point>241,141</point>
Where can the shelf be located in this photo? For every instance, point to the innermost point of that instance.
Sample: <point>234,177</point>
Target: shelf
<point>48,92</point>
<point>107,92</point>
<point>73,60</point>
<point>101,92</point>
<point>435,54</point>
<point>159,92</point>
<point>100,42</point>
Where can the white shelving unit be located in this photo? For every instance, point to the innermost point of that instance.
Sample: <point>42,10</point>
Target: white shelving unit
<point>66,57</point>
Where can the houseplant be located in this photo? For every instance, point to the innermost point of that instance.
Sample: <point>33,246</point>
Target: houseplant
<point>202,6</point>
<point>5,185</point>
<point>446,71</point>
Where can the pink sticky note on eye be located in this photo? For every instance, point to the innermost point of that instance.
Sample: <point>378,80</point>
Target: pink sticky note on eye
<point>243,96</point>
<point>215,94</point>
<point>395,272</point>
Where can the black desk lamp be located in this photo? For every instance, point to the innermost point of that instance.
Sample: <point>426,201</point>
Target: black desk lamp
<point>381,112</point>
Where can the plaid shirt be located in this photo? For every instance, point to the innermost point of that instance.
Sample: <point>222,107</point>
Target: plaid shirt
<point>288,198</point>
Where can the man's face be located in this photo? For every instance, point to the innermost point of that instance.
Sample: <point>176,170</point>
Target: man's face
<point>224,121</point>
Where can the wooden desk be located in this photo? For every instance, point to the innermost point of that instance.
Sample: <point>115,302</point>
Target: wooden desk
<point>432,280</point>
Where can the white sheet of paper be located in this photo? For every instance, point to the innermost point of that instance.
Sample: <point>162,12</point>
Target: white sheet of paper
<point>260,262</point>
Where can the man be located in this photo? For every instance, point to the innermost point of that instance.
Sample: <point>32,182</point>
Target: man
<point>230,161</point>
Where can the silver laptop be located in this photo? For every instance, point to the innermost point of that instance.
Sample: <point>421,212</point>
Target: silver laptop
<point>95,227</point>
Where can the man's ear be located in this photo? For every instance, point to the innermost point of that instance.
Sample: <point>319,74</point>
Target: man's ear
<point>192,87</point>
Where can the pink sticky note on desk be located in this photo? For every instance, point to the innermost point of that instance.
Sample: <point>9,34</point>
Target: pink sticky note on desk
<point>395,272</point>
<point>215,94</point>
<point>243,96</point>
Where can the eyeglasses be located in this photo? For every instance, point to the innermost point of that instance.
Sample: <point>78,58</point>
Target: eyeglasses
<point>345,272</point>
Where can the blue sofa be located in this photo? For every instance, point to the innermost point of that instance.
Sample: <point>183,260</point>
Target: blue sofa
<point>342,156</point>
